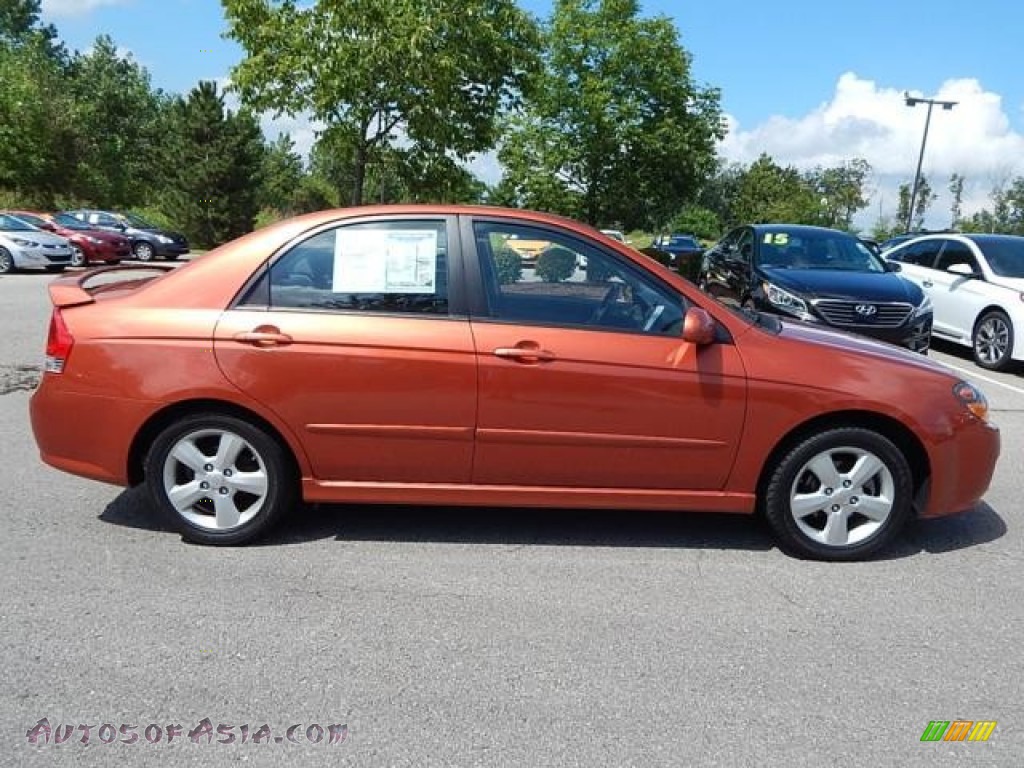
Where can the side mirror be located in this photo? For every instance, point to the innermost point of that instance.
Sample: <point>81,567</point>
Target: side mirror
<point>961,269</point>
<point>698,327</point>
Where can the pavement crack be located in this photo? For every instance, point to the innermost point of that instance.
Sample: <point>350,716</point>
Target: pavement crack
<point>18,378</point>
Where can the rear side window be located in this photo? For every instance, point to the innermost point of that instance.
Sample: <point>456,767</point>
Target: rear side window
<point>923,254</point>
<point>388,267</point>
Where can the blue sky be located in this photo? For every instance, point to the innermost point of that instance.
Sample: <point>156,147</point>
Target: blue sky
<point>809,82</point>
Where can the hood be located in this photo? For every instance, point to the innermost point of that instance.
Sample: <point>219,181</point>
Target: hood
<point>36,236</point>
<point>844,284</point>
<point>829,338</point>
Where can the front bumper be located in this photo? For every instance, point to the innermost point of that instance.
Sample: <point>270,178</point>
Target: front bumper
<point>41,257</point>
<point>961,468</point>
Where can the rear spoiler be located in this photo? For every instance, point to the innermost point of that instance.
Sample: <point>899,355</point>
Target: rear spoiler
<point>70,291</point>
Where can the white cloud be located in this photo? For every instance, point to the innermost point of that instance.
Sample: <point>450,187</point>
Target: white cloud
<point>864,120</point>
<point>55,8</point>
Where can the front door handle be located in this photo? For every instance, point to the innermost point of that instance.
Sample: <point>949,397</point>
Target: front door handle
<point>525,352</point>
<point>927,283</point>
<point>264,336</point>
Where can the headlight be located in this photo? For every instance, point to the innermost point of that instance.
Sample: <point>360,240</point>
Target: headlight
<point>784,300</point>
<point>164,239</point>
<point>25,243</point>
<point>94,240</point>
<point>972,399</point>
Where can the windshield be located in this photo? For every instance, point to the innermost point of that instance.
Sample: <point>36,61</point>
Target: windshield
<point>684,242</point>
<point>138,221</point>
<point>35,221</point>
<point>1005,255</point>
<point>810,249</point>
<point>12,224</point>
<point>69,222</point>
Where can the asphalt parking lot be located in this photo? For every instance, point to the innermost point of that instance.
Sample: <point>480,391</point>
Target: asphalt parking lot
<point>496,637</point>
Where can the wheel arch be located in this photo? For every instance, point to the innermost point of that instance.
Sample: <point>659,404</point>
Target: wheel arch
<point>897,432</point>
<point>163,418</point>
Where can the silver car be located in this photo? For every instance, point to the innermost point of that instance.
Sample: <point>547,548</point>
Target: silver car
<point>23,246</point>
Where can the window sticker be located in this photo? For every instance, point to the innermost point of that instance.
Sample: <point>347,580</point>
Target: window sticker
<point>776,238</point>
<point>385,261</point>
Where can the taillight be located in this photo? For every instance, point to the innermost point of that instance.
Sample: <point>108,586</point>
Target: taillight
<point>58,344</point>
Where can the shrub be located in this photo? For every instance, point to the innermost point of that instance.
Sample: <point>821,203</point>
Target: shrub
<point>556,264</point>
<point>509,265</point>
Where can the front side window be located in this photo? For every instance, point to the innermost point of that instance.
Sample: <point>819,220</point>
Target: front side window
<point>923,253</point>
<point>565,281</point>
<point>390,267</point>
<point>956,252</point>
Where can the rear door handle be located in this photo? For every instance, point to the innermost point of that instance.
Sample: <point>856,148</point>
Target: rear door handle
<point>264,336</point>
<point>525,352</point>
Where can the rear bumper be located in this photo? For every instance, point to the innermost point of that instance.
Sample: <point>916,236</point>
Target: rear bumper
<point>85,435</point>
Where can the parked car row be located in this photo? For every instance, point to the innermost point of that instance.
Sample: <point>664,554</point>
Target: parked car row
<point>76,238</point>
<point>967,289</point>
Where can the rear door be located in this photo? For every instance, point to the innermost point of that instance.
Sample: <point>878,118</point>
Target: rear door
<point>354,336</point>
<point>584,380</point>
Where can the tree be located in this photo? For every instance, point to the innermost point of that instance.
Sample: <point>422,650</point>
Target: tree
<point>841,190</point>
<point>21,27</point>
<point>438,73</point>
<point>282,174</point>
<point>693,219</point>
<point>218,157</point>
<point>771,193</point>
<point>120,124</point>
<point>615,129</point>
<point>956,189</point>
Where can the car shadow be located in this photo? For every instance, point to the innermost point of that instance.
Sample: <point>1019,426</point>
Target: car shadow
<point>549,527</point>
<point>966,356</point>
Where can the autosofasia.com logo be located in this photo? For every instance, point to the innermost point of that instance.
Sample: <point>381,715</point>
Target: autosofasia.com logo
<point>958,730</point>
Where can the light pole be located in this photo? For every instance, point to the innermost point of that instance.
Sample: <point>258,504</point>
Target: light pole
<point>913,101</point>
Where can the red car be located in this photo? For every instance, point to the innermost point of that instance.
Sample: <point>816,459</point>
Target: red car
<point>406,355</point>
<point>88,245</point>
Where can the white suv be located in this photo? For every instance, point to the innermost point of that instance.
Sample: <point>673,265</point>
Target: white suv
<point>976,285</point>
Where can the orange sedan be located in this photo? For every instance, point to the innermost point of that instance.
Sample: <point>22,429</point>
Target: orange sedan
<point>409,354</point>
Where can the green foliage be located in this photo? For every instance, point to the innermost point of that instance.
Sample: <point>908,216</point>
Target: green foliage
<point>1007,213</point>
<point>440,71</point>
<point>956,189</point>
<point>216,160</point>
<point>555,264</point>
<point>509,265</point>
<point>282,173</point>
<point>614,129</point>
<point>696,220</point>
<point>841,192</point>
<point>119,124</point>
<point>924,200</point>
<point>770,193</point>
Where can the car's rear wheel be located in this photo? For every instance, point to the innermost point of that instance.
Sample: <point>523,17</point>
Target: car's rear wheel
<point>839,495</point>
<point>993,341</point>
<point>77,256</point>
<point>219,479</point>
<point>6,262</point>
<point>143,251</point>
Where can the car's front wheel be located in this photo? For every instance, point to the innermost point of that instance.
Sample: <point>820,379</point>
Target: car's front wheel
<point>219,479</point>
<point>77,256</point>
<point>993,341</point>
<point>6,261</point>
<point>839,495</point>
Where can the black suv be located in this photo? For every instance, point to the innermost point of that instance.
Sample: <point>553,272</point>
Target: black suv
<point>148,240</point>
<point>817,275</point>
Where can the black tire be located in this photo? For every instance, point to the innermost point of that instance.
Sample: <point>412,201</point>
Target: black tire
<point>992,341</point>
<point>262,455</point>
<point>143,251</point>
<point>841,505</point>
<point>6,262</point>
<point>77,256</point>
